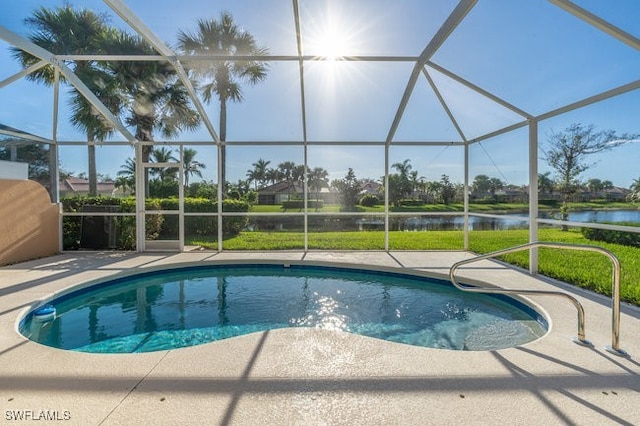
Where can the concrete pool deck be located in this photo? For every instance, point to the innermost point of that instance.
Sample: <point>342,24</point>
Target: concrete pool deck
<point>302,376</point>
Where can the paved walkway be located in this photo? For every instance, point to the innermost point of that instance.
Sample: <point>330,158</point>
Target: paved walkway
<point>316,377</point>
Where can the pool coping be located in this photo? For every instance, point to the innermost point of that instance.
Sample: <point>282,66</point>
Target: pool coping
<point>517,301</point>
<point>308,376</point>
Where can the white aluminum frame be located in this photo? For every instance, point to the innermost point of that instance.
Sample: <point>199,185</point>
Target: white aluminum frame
<point>422,64</point>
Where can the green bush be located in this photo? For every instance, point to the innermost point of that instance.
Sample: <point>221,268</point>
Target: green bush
<point>299,204</point>
<point>156,225</point>
<point>410,202</point>
<point>233,225</point>
<point>369,200</point>
<point>615,237</point>
<point>71,233</point>
<point>549,203</point>
<point>125,226</point>
<point>75,204</point>
<point>203,225</point>
<point>293,204</point>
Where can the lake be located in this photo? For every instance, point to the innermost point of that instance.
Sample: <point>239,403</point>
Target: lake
<point>450,223</point>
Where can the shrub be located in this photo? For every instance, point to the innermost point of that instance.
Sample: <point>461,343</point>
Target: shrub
<point>71,233</point>
<point>616,237</point>
<point>204,225</point>
<point>126,225</point>
<point>293,204</point>
<point>156,225</point>
<point>410,202</point>
<point>369,200</point>
<point>299,204</point>
<point>233,225</point>
<point>549,203</point>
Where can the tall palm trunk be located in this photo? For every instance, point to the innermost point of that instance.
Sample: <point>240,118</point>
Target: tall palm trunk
<point>93,173</point>
<point>223,147</point>
<point>144,132</point>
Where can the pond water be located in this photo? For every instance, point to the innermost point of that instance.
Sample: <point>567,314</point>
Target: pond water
<point>456,223</point>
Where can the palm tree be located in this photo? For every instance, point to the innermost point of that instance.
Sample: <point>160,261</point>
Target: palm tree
<point>125,183</point>
<point>128,169</point>
<point>286,171</point>
<point>298,173</point>
<point>594,185</point>
<point>495,184</point>
<point>258,175</point>
<point>545,183</point>
<point>157,100</point>
<point>403,168</point>
<point>635,190</point>
<point>404,184</point>
<point>66,30</point>
<point>414,181</point>
<point>163,155</point>
<point>191,166</point>
<point>318,178</point>
<point>272,175</point>
<point>127,175</point>
<point>221,78</point>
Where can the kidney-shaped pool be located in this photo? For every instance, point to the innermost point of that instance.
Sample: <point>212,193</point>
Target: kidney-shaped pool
<point>186,306</point>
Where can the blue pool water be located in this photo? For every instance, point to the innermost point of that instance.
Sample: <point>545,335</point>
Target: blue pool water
<point>182,307</point>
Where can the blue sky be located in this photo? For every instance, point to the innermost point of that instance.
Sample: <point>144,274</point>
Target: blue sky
<point>528,52</point>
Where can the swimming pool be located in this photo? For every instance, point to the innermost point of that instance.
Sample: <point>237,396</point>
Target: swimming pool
<point>185,306</point>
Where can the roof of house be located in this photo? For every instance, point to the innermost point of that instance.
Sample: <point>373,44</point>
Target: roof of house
<point>281,187</point>
<point>79,185</point>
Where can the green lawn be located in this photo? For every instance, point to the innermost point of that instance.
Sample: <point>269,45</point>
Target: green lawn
<point>584,269</point>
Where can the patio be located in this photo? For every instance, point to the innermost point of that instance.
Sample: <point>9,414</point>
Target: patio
<point>443,92</point>
<point>309,376</point>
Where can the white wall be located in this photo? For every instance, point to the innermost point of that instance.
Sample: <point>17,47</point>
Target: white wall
<point>13,170</point>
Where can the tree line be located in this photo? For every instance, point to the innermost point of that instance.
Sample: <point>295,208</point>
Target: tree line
<point>151,98</point>
<point>148,96</point>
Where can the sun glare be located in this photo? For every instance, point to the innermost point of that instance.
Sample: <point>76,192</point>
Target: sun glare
<point>330,38</point>
<point>331,45</point>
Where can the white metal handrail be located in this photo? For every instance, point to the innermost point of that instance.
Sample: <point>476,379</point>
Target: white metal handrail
<point>615,323</point>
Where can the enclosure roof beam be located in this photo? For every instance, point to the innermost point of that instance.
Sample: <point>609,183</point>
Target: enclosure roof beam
<point>296,17</point>
<point>598,22</point>
<point>449,25</point>
<point>500,131</point>
<point>444,104</point>
<point>24,72</point>
<point>634,85</point>
<point>141,28</point>
<point>261,58</point>
<point>479,90</point>
<point>37,51</point>
<point>15,133</point>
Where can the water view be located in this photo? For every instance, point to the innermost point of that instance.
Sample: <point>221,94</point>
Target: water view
<point>456,223</point>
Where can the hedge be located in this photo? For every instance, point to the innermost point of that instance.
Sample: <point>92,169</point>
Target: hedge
<point>410,202</point>
<point>158,226</point>
<point>615,237</point>
<point>299,204</point>
<point>369,200</point>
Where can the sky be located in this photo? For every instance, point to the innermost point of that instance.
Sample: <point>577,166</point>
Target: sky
<point>529,53</point>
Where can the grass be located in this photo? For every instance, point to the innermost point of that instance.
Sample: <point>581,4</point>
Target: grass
<point>584,269</point>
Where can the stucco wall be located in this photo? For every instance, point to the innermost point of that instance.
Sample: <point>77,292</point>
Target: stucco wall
<point>28,222</point>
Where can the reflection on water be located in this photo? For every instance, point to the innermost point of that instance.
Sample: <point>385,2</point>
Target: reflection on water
<point>456,223</point>
<point>437,222</point>
<point>190,306</point>
<point>598,216</point>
